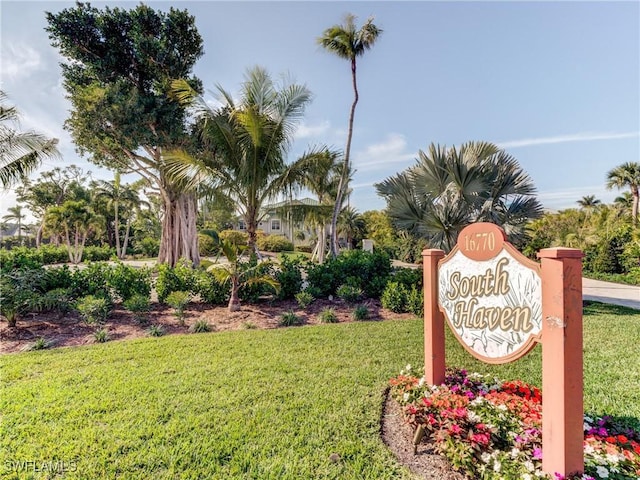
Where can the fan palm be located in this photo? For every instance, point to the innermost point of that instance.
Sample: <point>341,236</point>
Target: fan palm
<point>448,189</point>
<point>623,176</point>
<point>351,225</point>
<point>244,143</point>
<point>347,42</point>
<point>20,152</point>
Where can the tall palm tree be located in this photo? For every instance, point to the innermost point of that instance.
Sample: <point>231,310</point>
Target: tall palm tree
<point>347,42</point>
<point>244,143</point>
<point>16,215</point>
<point>449,189</point>
<point>74,221</point>
<point>117,196</point>
<point>589,202</point>
<point>20,152</point>
<point>319,171</point>
<point>623,176</point>
<point>351,225</point>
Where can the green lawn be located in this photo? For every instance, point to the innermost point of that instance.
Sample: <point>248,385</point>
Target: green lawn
<point>252,404</point>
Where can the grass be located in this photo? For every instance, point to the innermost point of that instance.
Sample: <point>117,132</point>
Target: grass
<point>255,403</point>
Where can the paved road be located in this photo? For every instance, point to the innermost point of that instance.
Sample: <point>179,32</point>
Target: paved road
<point>615,293</point>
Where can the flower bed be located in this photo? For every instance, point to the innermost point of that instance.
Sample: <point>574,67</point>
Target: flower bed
<point>489,429</point>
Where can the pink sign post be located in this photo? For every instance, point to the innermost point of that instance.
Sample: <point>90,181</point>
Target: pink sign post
<point>499,304</point>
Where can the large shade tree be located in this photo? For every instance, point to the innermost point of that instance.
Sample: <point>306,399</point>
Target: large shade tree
<point>117,74</point>
<point>20,152</point>
<point>627,175</point>
<point>347,42</point>
<point>450,188</point>
<point>243,143</point>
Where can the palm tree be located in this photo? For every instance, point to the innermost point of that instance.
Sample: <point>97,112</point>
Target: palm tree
<point>449,189</point>
<point>349,43</point>
<point>623,176</point>
<point>589,202</point>
<point>20,152</point>
<point>117,196</point>
<point>74,221</point>
<point>16,215</point>
<point>244,144</point>
<point>319,171</point>
<point>351,225</point>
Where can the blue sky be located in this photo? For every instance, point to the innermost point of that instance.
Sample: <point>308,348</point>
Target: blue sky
<point>557,84</point>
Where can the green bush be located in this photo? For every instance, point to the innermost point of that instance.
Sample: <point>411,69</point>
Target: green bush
<point>349,293</point>
<point>234,236</point>
<point>210,289</point>
<point>181,277</point>
<point>328,315</point>
<point>289,319</point>
<point>53,254</point>
<point>93,310</point>
<point>101,335</point>
<point>408,276</point>
<point>127,281</point>
<point>304,298</point>
<point>19,258</point>
<point>275,243</point>
<point>93,253</point>
<point>179,300</point>
<point>92,280</point>
<point>415,301</point>
<point>207,246</point>
<point>251,292</point>
<point>40,343</point>
<point>369,270</point>
<point>59,277</point>
<point>289,276</point>
<point>155,331</point>
<point>304,248</point>
<point>148,246</point>
<point>139,305</point>
<point>361,312</point>
<point>394,297</point>
<point>201,326</point>
<point>59,300</point>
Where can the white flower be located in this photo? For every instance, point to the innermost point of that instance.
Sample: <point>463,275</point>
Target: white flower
<point>588,419</point>
<point>485,457</point>
<point>586,426</point>
<point>406,397</point>
<point>602,472</point>
<point>421,382</point>
<point>473,416</point>
<point>408,367</point>
<point>496,466</point>
<point>614,458</point>
<point>588,449</point>
<point>502,407</point>
<point>526,476</point>
<point>514,452</point>
<point>529,466</point>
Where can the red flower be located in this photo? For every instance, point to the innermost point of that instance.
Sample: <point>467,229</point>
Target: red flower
<point>622,439</point>
<point>610,440</point>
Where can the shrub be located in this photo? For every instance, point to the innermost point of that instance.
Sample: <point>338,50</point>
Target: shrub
<point>19,258</point>
<point>349,293</point>
<point>155,331</point>
<point>59,300</point>
<point>53,254</point>
<point>127,281</point>
<point>328,315</point>
<point>369,270</point>
<point>304,298</point>
<point>101,335</point>
<point>148,246</point>
<point>275,243</point>
<point>93,310</point>
<point>58,277</point>
<point>234,236</point>
<point>93,253</point>
<point>139,305</point>
<point>251,291</point>
<point>92,280</point>
<point>179,300</point>
<point>415,301</point>
<point>304,248</point>
<point>201,326</point>
<point>289,276</point>
<point>408,276</point>
<point>361,312</point>
<point>289,319</point>
<point>179,278</point>
<point>249,326</point>
<point>40,343</point>
<point>394,297</point>
<point>210,289</point>
<point>207,246</point>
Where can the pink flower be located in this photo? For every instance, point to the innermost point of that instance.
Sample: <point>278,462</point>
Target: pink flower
<point>537,453</point>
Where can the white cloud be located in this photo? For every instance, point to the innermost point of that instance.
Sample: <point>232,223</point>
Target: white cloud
<point>19,61</point>
<point>576,137</point>
<point>380,155</point>
<point>309,131</point>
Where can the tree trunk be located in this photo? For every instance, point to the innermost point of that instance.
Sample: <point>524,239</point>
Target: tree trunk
<point>634,206</point>
<point>117,230</point>
<point>322,242</point>
<point>39,233</point>
<point>125,242</point>
<point>179,237</point>
<point>234,299</point>
<point>342,185</point>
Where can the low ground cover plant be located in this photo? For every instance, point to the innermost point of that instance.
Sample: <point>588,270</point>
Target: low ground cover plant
<point>490,429</point>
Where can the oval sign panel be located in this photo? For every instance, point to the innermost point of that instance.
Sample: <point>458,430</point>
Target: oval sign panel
<point>491,295</point>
